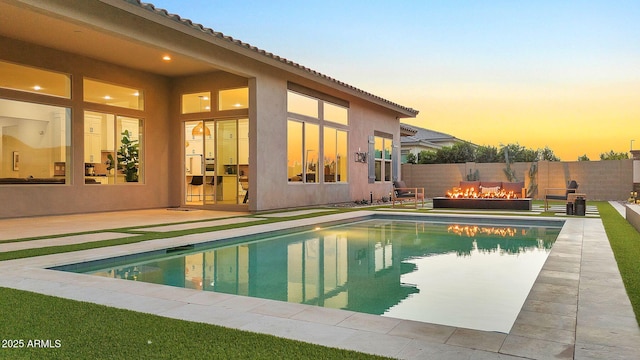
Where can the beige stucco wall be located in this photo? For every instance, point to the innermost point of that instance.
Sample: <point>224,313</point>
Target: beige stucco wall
<point>365,121</point>
<point>273,191</point>
<point>600,180</point>
<point>163,145</point>
<point>268,185</point>
<point>76,197</point>
<point>220,64</point>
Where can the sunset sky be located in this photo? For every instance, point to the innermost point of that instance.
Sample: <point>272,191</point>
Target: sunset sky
<point>562,74</point>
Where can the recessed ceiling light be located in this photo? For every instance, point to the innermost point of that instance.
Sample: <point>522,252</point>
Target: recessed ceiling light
<point>166,58</point>
<point>37,88</point>
<point>107,97</point>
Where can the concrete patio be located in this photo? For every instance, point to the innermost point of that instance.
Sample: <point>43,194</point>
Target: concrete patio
<point>577,308</point>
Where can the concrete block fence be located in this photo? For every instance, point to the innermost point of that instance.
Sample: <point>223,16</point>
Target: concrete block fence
<point>600,180</point>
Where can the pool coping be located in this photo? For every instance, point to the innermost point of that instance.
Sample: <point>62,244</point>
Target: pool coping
<point>570,312</point>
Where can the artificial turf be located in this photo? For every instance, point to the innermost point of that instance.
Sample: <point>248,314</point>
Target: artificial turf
<point>47,327</point>
<point>625,243</point>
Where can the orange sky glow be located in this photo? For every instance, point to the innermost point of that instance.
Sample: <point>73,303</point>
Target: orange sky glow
<point>562,74</point>
<point>572,121</point>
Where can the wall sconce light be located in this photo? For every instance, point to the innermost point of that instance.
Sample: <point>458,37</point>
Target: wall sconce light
<point>361,157</point>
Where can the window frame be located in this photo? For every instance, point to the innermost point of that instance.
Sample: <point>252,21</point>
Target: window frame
<point>339,174</point>
<point>322,124</point>
<point>117,143</point>
<point>138,94</point>
<point>187,98</point>
<point>58,170</point>
<point>220,100</point>
<point>383,158</point>
<point>305,171</point>
<point>39,73</point>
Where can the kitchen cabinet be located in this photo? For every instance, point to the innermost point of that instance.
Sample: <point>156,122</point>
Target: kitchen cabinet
<point>108,139</point>
<point>92,139</point>
<point>229,187</point>
<point>59,124</point>
<point>243,141</point>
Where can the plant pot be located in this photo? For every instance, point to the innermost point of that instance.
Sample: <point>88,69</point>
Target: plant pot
<point>131,177</point>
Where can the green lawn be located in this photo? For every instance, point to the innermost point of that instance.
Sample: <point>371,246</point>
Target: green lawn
<point>87,331</point>
<point>625,242</point>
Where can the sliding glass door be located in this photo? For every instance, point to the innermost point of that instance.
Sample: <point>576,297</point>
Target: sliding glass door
<point>216,162</point>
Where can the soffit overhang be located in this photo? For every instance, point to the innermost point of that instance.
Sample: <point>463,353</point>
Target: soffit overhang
<point>136,35</point>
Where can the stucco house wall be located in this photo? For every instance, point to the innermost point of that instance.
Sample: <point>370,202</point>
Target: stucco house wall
<point>33,200</point>
<point>275,192</point>
<point>205,61</point>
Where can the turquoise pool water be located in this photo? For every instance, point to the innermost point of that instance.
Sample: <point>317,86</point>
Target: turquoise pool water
<point>465,275</point>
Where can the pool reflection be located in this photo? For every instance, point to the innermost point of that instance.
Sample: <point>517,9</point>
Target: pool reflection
<point>364,268</point>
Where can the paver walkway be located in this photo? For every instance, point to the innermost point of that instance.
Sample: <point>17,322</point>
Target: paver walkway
<point>66,224</point>
<point>201,224</point>
<point>61,241</point>
<point>295,213</point>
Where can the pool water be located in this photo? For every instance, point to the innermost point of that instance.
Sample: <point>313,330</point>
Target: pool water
<point>463,275</point>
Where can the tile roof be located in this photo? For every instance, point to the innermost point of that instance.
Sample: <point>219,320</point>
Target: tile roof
<point>268,55</point>
<point>426,134</point>
<point>428,137</point>
<point>407,130</point>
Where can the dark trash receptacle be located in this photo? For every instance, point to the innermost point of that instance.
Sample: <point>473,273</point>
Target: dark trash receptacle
<point>580,206</point>
<point>569,208</point>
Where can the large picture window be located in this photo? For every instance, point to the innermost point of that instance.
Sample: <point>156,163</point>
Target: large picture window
<point>317,140</point>
<point>34,143</point>
<point>112,148</point>
<point>335,155</point>
<point>303,140</point>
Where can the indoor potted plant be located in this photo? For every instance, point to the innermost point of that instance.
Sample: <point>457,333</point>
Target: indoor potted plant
<point>110,164</point>
<point>128,157</point>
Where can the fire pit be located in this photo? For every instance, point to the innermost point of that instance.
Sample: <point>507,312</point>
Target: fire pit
<point>491,193</point>
<point>485,198</point>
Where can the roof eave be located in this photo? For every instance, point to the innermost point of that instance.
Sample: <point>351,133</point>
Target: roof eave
<point>175,22</point>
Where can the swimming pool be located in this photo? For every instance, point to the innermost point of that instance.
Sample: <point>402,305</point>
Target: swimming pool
<point>472,275</point>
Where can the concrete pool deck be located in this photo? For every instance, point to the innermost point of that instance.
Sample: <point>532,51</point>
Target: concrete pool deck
<point>577,308</point>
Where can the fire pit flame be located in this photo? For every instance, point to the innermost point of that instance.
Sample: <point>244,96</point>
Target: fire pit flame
<point>471,193</point>
<point>474,230</point>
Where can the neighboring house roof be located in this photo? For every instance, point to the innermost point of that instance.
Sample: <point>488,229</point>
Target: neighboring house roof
<point>242,46</point>
<point>406,130</point>
<point>427,138</point>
